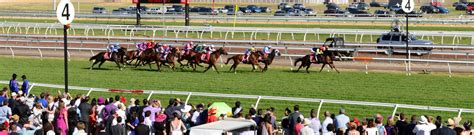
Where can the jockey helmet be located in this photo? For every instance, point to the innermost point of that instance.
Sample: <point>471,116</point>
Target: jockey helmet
<point>212,46</point>
<point>269,46</point>
<point>191,43</point>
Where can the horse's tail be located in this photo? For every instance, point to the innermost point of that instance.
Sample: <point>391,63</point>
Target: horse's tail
<point>298,60</point>
<point>94,57</point>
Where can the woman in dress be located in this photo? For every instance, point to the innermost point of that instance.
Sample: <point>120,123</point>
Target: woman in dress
<point>177,126</point>
<point>61,121</point>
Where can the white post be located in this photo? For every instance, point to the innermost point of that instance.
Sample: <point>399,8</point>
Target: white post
<point>459,113</point>
<point>394,110</point>
<point>409,62</point>
<point>89,92</point>
<point>319,108</point>
<point>149,96</point>
<point>29,89</point>
<point>258,101</point>
<point>449,69</point>
<point>187,99</point>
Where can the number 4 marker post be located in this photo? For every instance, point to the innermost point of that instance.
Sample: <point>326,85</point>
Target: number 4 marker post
<point>407,7</point>
<point>65,14</point>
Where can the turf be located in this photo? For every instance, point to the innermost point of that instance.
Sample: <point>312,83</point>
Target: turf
<point>432,90</point>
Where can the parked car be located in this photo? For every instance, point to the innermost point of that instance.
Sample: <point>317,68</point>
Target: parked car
<point>297,12</point>
<point>156,11</point>
<point>336,12</point>
<point>383,13</point>
<point>359,5</point>
<point>462,7</point>
<point>207,11</point>
<point>99,10</point>
<point>178,8</point>
<point>283,5</point>
<point>228,7</point>
<point>245,10</point>
<point>395,8</point>
<point>442,10</point>
<point>232,12</point>
<point>120,11</point>
<point>332,6</point>
<point>459,3</point>
<point>309,12</point>
<point>359,13</point>
<point>281,13</point>
<point>254,8</point>
<point>266,9</point>
<point>222,10</point>
<point>470,8</point>
<point>429,9</point>
<point>298,6</point>
<point>378,4</point>
<point>399,38</point>
<point>195,9</point>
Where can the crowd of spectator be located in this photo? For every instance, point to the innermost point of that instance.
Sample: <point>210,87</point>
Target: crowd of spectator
<point>63,114</point>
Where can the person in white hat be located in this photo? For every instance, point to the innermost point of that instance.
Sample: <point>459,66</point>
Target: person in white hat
<point>422,128</point>
<point>306,130</point>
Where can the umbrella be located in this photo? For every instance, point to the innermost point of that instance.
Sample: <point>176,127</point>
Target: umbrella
<point>221,107</point>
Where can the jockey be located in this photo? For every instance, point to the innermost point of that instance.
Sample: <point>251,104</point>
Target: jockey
<point>112,48</point>
<point>164,50</point>
<point>267,50</point>
<point>248,52</point>
<point>208,50</point>
<point>187,47</point>
<point>150,45</point>
<point>141,47</point>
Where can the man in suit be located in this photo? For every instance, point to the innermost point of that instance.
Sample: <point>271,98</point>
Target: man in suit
<point>445,130</point>
<point>85,108</point>
<point>142,129</point>
<point>292,119</point>
<point>236,109</point>
<point>118,129</point>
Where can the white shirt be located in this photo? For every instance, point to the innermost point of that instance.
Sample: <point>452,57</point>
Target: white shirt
<point>306,131</point>
<point>315,125</point>
<point>325,124</point>
<point>148,121</point>
<point>195,116</point>
<point>372,131</point>
<point>423,129</point>
<point>122,115</point>
<point>328,133</point>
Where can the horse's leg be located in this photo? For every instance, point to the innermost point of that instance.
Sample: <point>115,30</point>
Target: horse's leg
<point>260,67</point>
<point>307,68</point>
<point>210,65</point>
<point>101,62</point>
<point>172,65</point>
<point>334,67</point>
<point>93,64</point>
<point>118,65</point>
<point>322,67</point>
<point>214,65</point>
<point>299,67</point>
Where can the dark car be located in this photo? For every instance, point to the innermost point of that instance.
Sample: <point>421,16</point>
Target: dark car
<point>298,6</point>
<point>459,3</point>
<point>377,4</point>
<point>281,13</point>
<point>283,5</point>
<point>332,6</point>
<point>359,13</point>
<point>195,9</point>
<point>411,14</point>
<point>228,7</point>
<point>429,9</point>
<point>254,8</point>
<point>336,12</point>
<point>461,7</point>
<point>266,9</point>
<point>245,10</point>
<point>442,10</point>
<point>99,10</point>
<point>359,5</point>
<point>178,8</point>
<point>383,13</point>
<point>207,11</point>
<point>309,12</point>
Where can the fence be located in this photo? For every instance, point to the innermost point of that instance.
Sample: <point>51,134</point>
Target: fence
<point>259,98</point>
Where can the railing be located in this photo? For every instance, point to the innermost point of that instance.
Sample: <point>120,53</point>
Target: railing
<point>259,98</point>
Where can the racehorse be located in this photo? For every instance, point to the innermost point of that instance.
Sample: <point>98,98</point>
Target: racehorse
<point>327,58</point>
<point>252,60</point>
<point>146,57</point>
<point>188,57</point>
<point>268,60</point>
<point>130,56</point>
<point>174,52</point>
<point>117,57</point>
<point>196,59</point>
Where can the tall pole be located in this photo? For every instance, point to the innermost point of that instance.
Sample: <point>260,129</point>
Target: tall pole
<point>406,40</point>
<point>138,14</point>
<point>186,13</point>
<point>65,60</point>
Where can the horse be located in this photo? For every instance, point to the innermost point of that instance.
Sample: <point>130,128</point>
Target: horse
<point>268,60</point>
<point>252,60</point>
<point>117,57</point>
<point>146,57</point>
<point>196,59</point>
<point>188,57</point>
<point>327,58</point>
<point>174,52</point>
<point>130,56</point>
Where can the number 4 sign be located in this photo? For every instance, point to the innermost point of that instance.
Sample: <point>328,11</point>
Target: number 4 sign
<point>408,6</point>
<point>65,12</point>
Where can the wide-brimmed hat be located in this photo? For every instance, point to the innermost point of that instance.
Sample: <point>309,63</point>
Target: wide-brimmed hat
<point>423,120</point>
<point>101,100</point>
<point>307,122</point>
<point>15,117</point>
<point>160,118</point>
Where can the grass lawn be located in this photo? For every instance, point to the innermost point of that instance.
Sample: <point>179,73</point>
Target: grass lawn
<point>418,89</point>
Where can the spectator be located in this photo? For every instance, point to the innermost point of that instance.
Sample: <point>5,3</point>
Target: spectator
<point>328,120</point>
<point>353,129</point>
<point>148,121</point>
<point>299,124</point>
<point>363,127</point>
<point>330,128</point>
<point>25,85</point>
<point>411,126</point>
<point>177,126</point>
<point>43,100</point>
<point>81,126</point>
<point>118,129</point>
<point>390,127</point>
<point>342,120</point>
<point>467,128</point>
<point>62,120</point>
<point>445,130</point>
<point>422,128</point>
<point>5,112</point>
<point>315,123</point>
<point>431,124</point>
<point>142,129</point>
<point>293,119</point>
<point>371,128</point>
<point>85,108</point>
<point>380,126</point>
<point>401,124</point>
<point>48,129</point>
<point>267,127</point>
<point>307,130</point>
<point>13,84</point>
<point>211,115</point>
<point>159,124</point>
<point>3,95</point>
<point>236,109</point>
<point>285,123</point>
<point>195,120</point>
<point>154,107</point>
